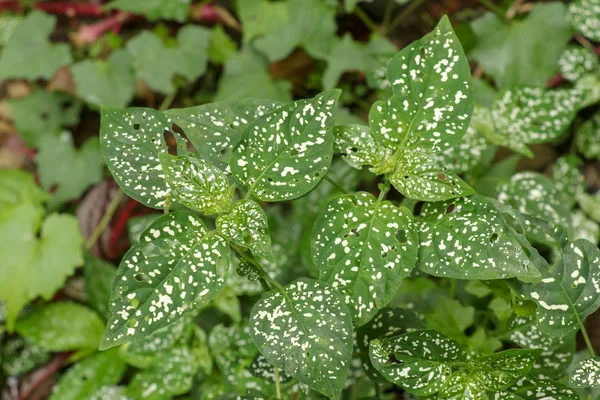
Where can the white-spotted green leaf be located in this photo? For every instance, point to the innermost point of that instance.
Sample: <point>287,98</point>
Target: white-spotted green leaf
<point>131,141</point>
<point>575,62</point>
<point>462,386</point>
<point>499,371</point>
<point>306,330</point>
<point>89,375</point>
<point>472,238</point>
<point>247,226</point>
<point>386,323</point>
<point>587,138</point>
<point>585,17</point>
<point>109,393</point>
<point>262,369</point>
<point>364,248</point>
<point>567,177</point>
<point>361,146</point>
<point>19,356</point>
<point>569,290</point>
<point>284,154</point>
<point>214,129</point>
<point>529,388</point>
<point>468,153</point>
<point>418,361</point>
<point>177,267</point>
<point>586,373</point>
<point>171,375</point>
<point>534,194</point>
<point>196,183</point>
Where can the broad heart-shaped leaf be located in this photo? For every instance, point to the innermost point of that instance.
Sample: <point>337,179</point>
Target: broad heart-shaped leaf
<point>386,323</point>
<point>499,371</point>
<point>177,267</point>
<point>157,64</point>
<point>247,226</point>
<point>62,326</point>
<point>575,62</point>
<point>528,116</point>
<point>569,290</point>
<point>419,361</point>
<point>534,194</point>
<point>364,247</point>
<point>511,52</point>
<point>462,386</point>
<point>29,54</point>
<point>131,141</point>
<point>472,238</point>
<point>155,9</point>
<point>89,375</point>
<point>283,155</point>
<point>306,330</point>
<point>108,83</point>
<point>171,375</point>
<point>214,129</point>
<point>586,373</point>
<point>529,388</point>
<point>585,17</point>
<point>196,183</point>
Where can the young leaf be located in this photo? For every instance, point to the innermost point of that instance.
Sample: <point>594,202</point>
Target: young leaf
<point>131,141</point>
<point>108,83</point>
<point>419,361</point>
<point>214,129</point>
<point>221,45</point>
<point>472,238</point>
<point>154,9</point>
<point>585,17</point>
<point>461,385</point>
<point>177,267</point>
<point>451,318</point>
<point>364,247</point>
<point>305,330</point>
<point>361,146</point>
<point>62,326</point>
<point>586,373</point>
<point>575,62</point>
<point>29,54</point>
<point>587,138</point>
<point>284,154</point>
<point>196,183</point>
<point>529,388</point>
<point>500,371</point>
<point>88,376</point>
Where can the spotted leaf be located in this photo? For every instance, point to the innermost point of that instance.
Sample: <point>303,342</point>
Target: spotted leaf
<point>500,371</point>
<point>360,146</point>
<point>585,17</point>
<point>473,238</point>
<point>569,290</point>
<point>575,62</point>
<point>461,385</point>
<point>131,141</point>
<point>364,248</point>
<point>197,184</point>
<point>261,368</point>
<point>529,388</point>
<point>214,129</point>
<point>467,154</point>
<point>587,138</point>
<point>419,361</point>
<point>177,267</point>
<point>247,226</point>
<point>306,330</point>
<point>586,373</point>
<point>283,155</point>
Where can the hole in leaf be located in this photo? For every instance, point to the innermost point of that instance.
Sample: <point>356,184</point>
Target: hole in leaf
<point>269,179</point>
<point>136,127</point>
<point>131,323</point>
<point>247,237</point>
<point>393,358</point>
<point>142,277</point>
<point>450,208</point>
<point>401,236</point>
<point>353,149</point>
<point>355,232</point>
<point>441,177</point>
<point>384,254</point>
<point>493,238</point>
<point>293,152</point>
<point>317,174</point>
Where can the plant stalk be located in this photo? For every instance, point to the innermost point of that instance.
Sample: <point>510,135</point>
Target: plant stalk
<point>413,6</point>
<point>277,385</point>
<point>366,19</point>
<point>336,185</point>
<point>108,213</point>
<point>495,9</point>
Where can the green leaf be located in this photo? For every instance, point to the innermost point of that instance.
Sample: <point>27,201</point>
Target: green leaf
<point>586,373</point>
<point>18,356</point>
<point>171,375</point>
<point>500,371</point>
<point>584,16</point>
<point>221,46</point>
<point>105,83</point>
<point>522,53</point>
<point>467,154</point>
<point>451,319</point>
<point>42,113</point>
<point>137,225</point>
<point>247,226</point>
<point>534,389</point>
<point>214,129</point>
<point>109,393</point>
<point>154,9</point>
<point>567,177</point>
<point>62,326</point>
<point>88,376</point>
<point>361,146</point>
<point>29,54</point>
<point>472,238</point>
<point>461,385</point>
<point>277,28</point>
<point>587,137</point>
<point>67,170</point>
<point>177,267</point>
<point>305,330</point>
<point>17,187</point>
<point>261,368</point>
<point>196,183</point>
<point>8,24</point>
<point>364,247</point>
<point>246,76</point>
<point>418,361</point>
<point>99,276</point>
<point>157,64</point>
<point>131,141</point>
<point>283,155</point>
<point>575,62</point>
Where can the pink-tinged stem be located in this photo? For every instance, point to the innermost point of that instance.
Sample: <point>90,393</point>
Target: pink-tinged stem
<point>68,9</point>
<point>90,33</point>
<point>205,13</point>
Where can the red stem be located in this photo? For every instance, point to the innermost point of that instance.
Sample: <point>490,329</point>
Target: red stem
<point>120,224</point>
<point>90,33</point>
<point>54,365</point>
<point>69,9</point>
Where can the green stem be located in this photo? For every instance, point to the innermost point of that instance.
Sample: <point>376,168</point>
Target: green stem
<point>384,188</point>
<point>277,388</point>
<point>387,15</point>
<point>586,338</point>
<point>366,19</point>
<point>336,185</point>
<point>108,213</point>
<point>412,6</point>
<point>168,202</point>
<point>168,101</point>
<point>240,251</point>
<point>495,9</point>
